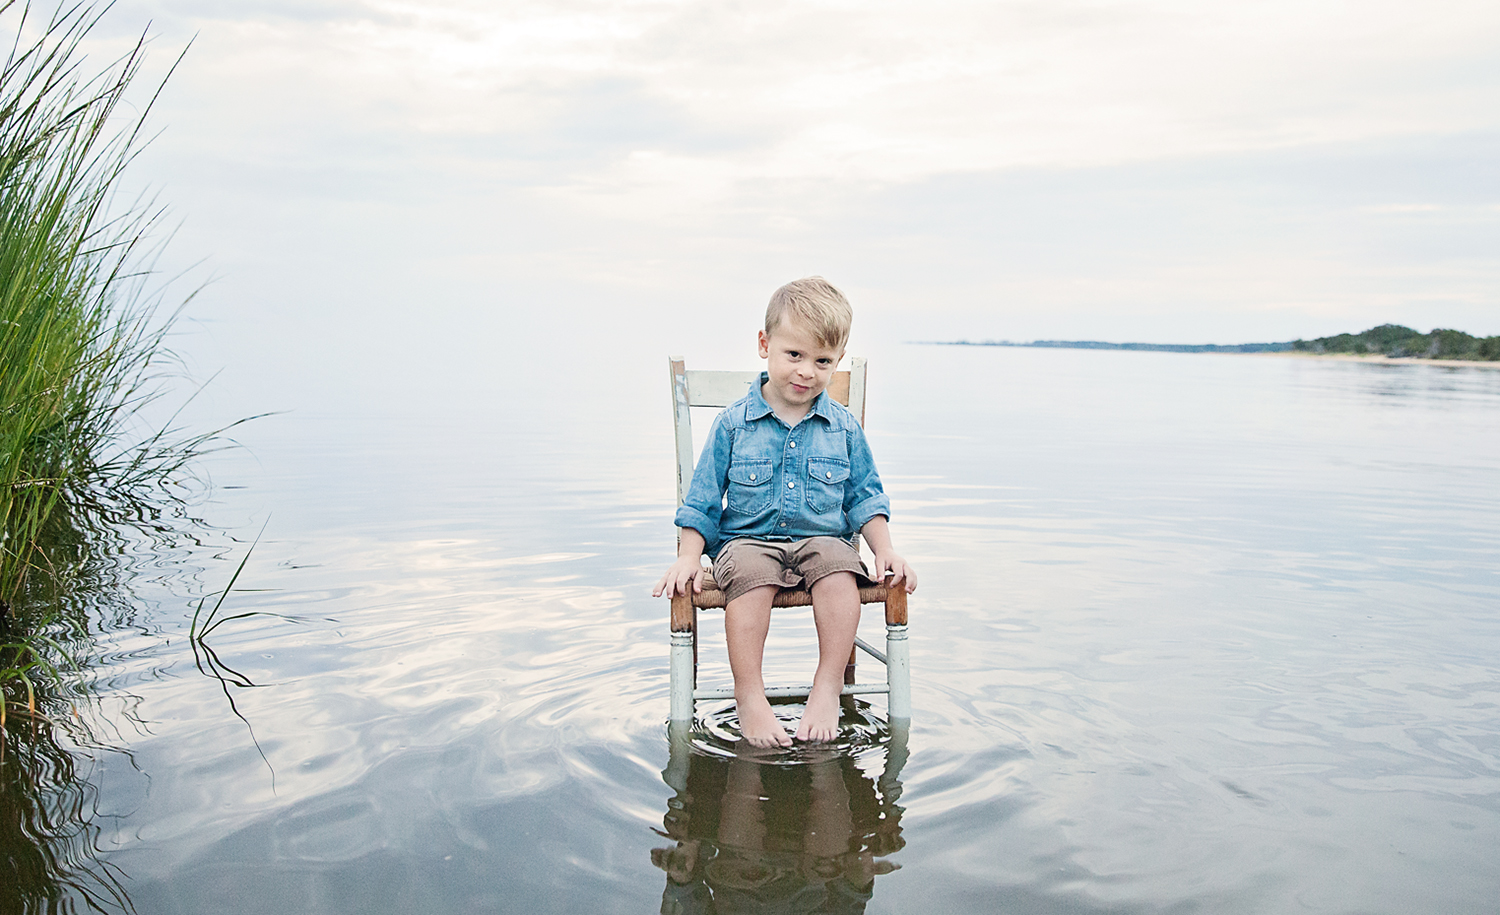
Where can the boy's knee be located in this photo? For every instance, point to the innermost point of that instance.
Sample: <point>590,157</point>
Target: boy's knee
<point>758,598</point>
<point>839,582</point>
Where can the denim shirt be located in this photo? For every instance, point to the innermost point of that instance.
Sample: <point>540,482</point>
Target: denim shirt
<point>760,478</point>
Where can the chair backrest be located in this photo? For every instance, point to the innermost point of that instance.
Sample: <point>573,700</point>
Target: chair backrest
<point>720,389</point>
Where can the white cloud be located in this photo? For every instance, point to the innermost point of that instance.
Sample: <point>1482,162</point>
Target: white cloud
<point>1006,158</point>
<point>883,91</point>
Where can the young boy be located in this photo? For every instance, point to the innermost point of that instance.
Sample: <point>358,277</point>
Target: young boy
<point>785,480</point>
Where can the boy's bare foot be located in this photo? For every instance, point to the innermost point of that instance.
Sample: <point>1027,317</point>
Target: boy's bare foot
<point>820,721</point>
<point>758,724</point>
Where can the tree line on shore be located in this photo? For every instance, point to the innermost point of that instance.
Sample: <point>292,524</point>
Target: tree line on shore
<point>1396,340</point>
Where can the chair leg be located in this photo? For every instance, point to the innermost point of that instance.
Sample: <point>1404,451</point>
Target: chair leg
<point>683,662</point>
<point>679,762</point>
<point>898,671</point>
<point>897,659</point>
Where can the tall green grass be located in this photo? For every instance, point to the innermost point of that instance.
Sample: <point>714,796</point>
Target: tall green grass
<point>80,334</point>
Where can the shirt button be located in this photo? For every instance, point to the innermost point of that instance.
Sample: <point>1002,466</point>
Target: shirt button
<point>792,444</point>
<point>783,524</point>
<point>791,486</point>
<point>752,476</point>
<point>830,474</point>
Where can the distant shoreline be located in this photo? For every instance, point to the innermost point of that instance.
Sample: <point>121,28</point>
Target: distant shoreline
<point>1134,347</point>
<point>1231,350</point>
<point>1388,344</point>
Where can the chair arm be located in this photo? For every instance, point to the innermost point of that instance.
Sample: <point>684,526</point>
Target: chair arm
<point>684,614</point>
<point>895,606</point>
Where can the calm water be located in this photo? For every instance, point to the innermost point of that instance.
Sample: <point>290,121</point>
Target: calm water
<point>1195,633</point>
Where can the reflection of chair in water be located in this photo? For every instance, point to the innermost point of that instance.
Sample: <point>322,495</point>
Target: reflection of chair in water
<point>756,836</point>
<point>720,389</point>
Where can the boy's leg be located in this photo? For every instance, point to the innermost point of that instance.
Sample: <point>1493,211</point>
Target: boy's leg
<point>747,619</point>
<point>830,821</point>
<point>742,820</point>
<point>836,614</point>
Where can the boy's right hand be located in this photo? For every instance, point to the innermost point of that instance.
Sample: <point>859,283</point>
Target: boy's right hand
<point>686,572</point>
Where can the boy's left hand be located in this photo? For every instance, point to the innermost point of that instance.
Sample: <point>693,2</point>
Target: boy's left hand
<point>893,564</point>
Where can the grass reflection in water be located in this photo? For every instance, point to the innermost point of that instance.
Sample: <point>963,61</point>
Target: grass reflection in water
<point>49,857</point>
<point>50,751</point>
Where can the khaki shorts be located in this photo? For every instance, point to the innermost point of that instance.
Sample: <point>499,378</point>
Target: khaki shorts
<point>745,564</point>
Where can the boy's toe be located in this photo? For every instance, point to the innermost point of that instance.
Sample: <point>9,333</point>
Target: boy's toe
<point>768,741</point>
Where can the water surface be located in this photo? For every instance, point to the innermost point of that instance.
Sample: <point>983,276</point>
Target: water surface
<point>1195,633</point>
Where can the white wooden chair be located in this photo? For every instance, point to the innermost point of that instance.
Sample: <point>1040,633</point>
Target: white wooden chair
<point>720,389</point>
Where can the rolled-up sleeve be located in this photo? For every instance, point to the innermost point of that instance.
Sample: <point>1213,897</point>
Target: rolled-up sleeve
<point>864,497</point>
<point>705,499</point>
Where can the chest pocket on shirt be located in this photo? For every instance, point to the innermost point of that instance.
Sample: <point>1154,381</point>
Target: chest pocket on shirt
<point>749,486</point>
<point>825,483</point>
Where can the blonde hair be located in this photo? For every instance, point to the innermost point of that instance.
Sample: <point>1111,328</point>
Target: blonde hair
<point>817,305</point>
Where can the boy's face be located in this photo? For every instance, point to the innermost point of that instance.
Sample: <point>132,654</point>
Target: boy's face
<point>798,365</point>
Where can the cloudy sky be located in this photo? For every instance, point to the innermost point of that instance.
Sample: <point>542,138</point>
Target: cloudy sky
<point>1162,170</point>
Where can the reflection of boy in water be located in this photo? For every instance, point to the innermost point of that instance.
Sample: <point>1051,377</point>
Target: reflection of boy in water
<point>776,839</point>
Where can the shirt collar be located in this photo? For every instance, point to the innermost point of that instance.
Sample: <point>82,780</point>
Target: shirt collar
<point>760,409</point>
